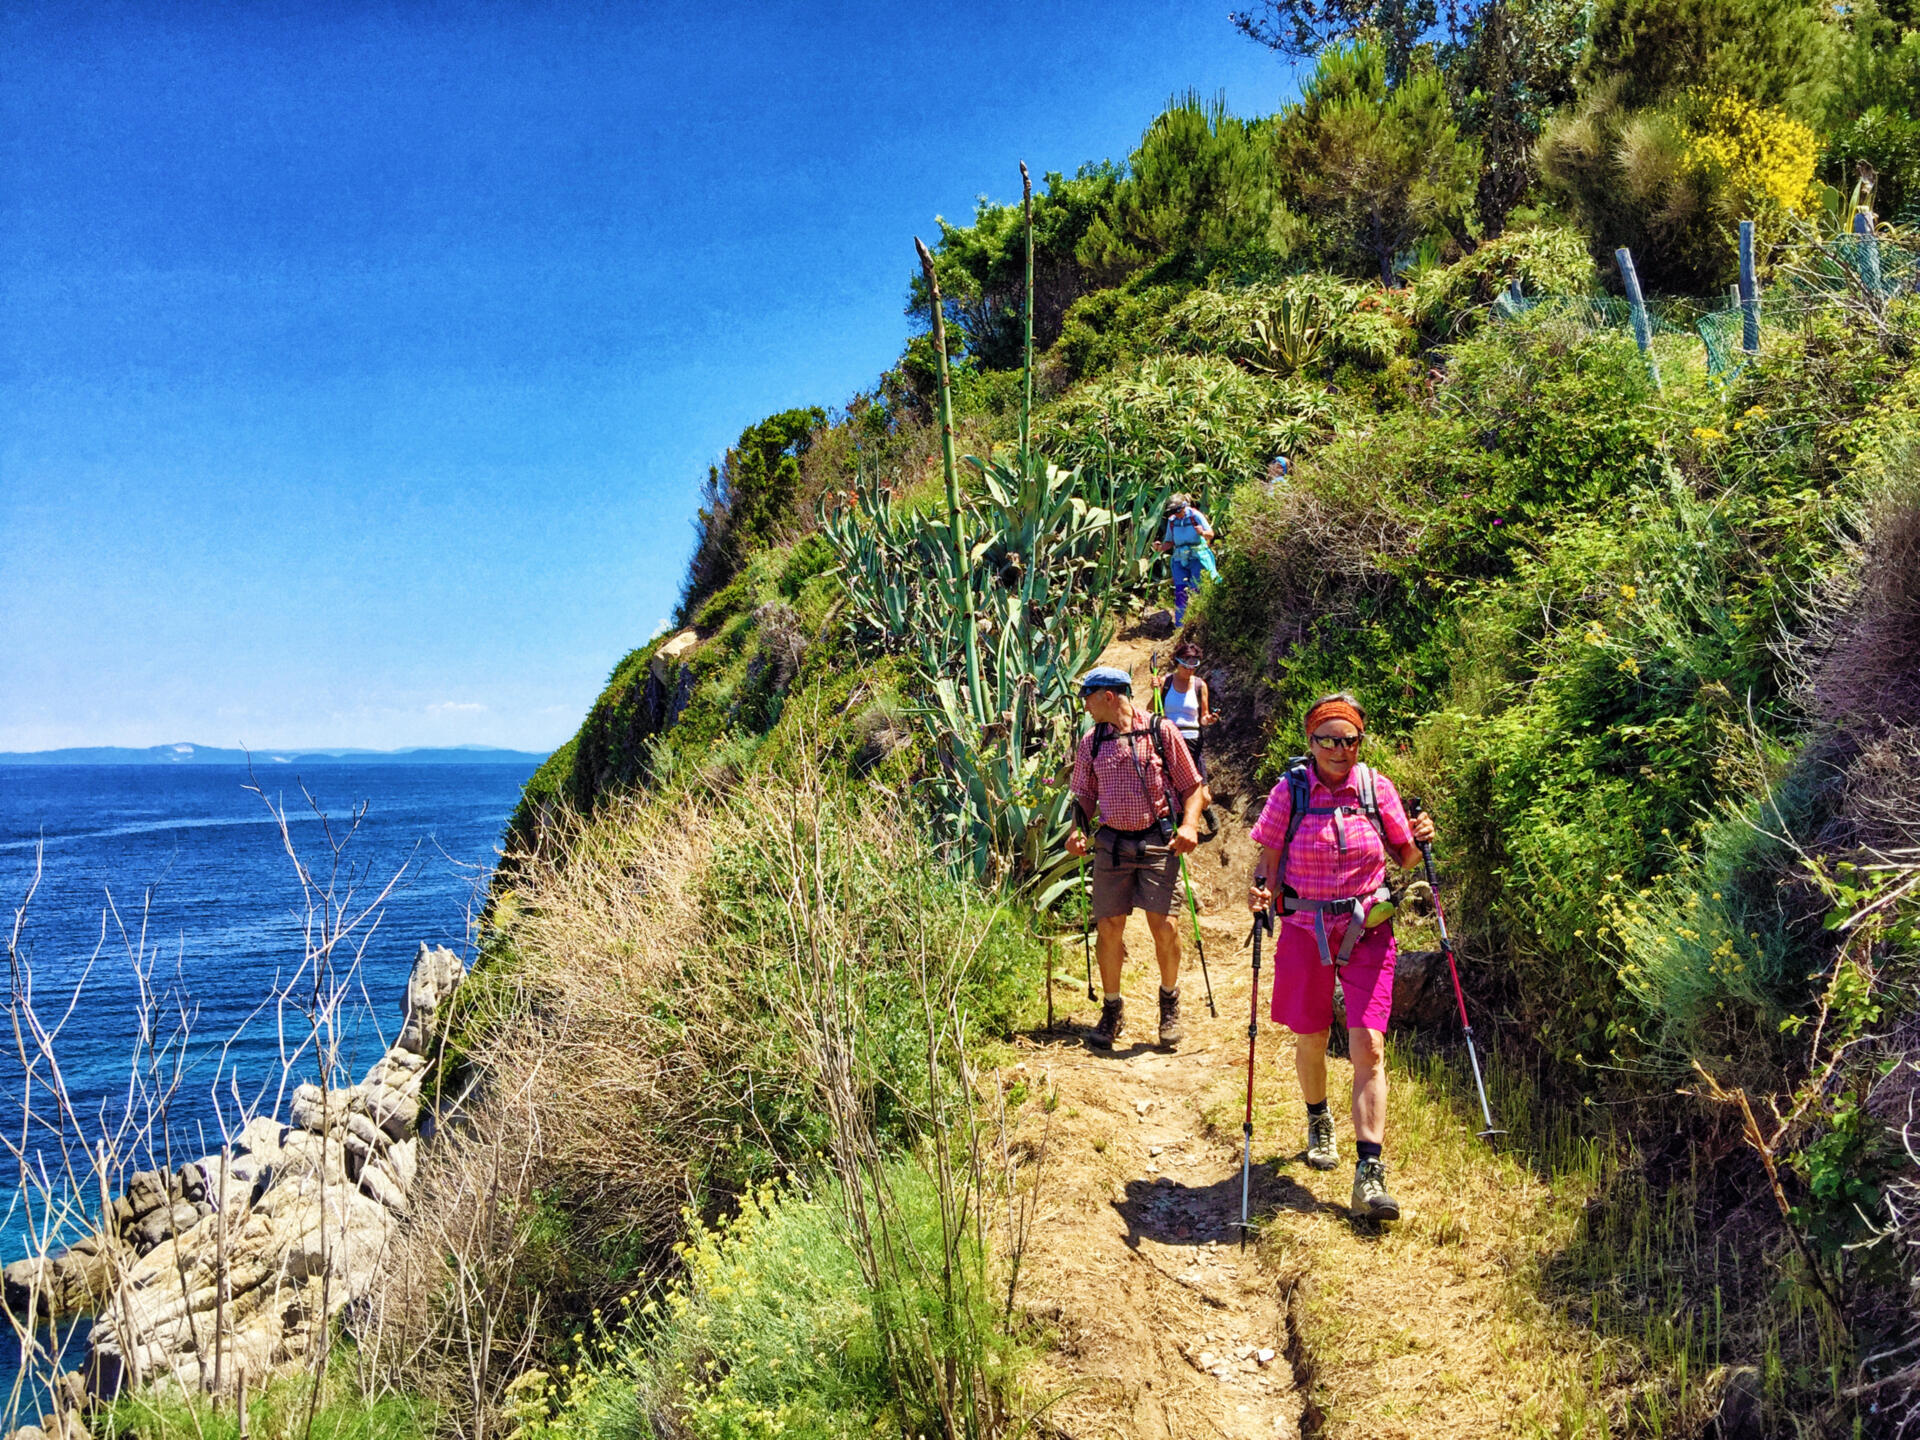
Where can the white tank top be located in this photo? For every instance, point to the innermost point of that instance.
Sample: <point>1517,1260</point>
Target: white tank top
<point>1184,709</point>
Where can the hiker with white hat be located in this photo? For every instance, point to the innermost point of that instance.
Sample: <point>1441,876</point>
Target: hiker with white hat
<point>1129,774</point>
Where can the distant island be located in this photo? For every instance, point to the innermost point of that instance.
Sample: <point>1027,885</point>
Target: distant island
<point>184,754</point>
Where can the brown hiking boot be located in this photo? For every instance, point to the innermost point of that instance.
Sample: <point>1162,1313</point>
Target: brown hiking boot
<point>1170,1031</point>
<point>1370,1198</point>
<point>1323,1150</point>
<point>1102,1036</point>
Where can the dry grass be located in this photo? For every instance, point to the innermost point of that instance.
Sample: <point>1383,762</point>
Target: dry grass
<point>1867,678</point>
<point>644,1043</point>
<point>580,1117</point>
<point>1437,1326</point>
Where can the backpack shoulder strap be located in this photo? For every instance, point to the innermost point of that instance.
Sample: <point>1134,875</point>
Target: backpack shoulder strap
<point>1160,727</point>
<point>1102,732</point>
<point>1299,789</point>
<point>1370,798</point>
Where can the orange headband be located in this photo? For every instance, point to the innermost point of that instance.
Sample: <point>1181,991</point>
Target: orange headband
<point>1336,710</point>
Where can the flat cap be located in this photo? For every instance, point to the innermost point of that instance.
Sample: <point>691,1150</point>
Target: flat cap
<point>1106,677</point>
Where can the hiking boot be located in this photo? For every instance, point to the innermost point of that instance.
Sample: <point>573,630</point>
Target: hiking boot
<point>1108,1030</point>
<point>1370,1198</point>
<point>1323,1151</point>
<point>1170,1031</point>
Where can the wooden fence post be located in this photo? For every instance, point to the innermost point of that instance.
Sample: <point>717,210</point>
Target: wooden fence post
<point>1749,293</point>
<point>1642,325</point>
<point>1868,266</point>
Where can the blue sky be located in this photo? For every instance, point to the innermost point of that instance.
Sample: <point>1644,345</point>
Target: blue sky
<point>360,364</point>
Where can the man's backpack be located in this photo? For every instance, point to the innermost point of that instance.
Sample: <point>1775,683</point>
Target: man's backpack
<point>1299,779</point>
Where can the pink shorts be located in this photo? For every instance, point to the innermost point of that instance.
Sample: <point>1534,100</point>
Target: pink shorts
<point>1303,987</point>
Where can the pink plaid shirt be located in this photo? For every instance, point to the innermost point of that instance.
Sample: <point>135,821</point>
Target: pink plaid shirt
<point>1334,856</point>
<point>1110,786</point>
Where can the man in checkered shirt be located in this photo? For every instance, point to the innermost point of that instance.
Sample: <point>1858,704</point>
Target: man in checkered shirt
<point>1120,780</point>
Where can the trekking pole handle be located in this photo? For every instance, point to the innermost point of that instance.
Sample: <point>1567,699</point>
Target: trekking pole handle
<point>1415,809</point>
<point>1262,919</point>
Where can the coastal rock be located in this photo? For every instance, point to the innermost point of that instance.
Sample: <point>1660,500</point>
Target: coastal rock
<point>302,1222</point>
<point>50,1286</point>
<point>671,653</point>
<point>436,972</point>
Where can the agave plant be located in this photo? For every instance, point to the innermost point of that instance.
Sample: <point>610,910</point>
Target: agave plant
<point>1002,603</point>
<point>1289,336</point>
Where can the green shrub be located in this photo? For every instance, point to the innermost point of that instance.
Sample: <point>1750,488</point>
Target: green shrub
<point>279,1407</point>
<point>1200,422</point>
<point>1347,323</point>
<point>1111,328</point>
<point>772,1330</point>
<point>1545,259</point>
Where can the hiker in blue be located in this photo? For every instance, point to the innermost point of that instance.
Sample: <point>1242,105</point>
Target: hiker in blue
<point>1187,534</point>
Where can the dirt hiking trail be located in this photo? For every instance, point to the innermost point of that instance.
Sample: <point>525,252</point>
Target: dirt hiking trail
<point>1165,1327</point>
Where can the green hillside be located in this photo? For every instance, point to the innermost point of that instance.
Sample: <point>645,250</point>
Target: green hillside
<point>1638,621</point>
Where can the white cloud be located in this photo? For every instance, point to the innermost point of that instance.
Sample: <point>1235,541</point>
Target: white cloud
<point>456,707</point>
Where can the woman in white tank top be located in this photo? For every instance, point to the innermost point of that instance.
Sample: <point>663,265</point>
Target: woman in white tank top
<point>1184,700</point>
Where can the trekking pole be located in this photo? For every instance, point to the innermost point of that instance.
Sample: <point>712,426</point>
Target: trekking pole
<point>1086,928</point>
<point>1051,961</point>
<point>1261,922</point>
<point>1414,809</point>
<point>1193,905</point>
<point>1193,908</point>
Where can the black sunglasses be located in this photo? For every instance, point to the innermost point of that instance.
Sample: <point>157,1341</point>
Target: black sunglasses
<point>1338,742</point>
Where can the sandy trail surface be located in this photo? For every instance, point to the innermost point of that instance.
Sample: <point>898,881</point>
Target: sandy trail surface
<point>1165,1326</point>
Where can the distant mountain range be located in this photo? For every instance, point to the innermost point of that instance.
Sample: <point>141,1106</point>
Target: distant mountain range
<point>208,755</point>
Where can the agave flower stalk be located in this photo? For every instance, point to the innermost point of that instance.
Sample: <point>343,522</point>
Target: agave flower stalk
<point>970,628</point>
<point>1026,368</point>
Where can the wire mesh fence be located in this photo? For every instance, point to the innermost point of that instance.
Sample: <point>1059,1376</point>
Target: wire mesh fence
<point>1869,268</point>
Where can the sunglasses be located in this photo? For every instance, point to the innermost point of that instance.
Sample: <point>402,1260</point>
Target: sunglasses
<point>1187,662</point>
<point>1338,742</point>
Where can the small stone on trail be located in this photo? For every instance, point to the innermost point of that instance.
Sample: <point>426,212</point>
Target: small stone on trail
<point>1153,1149</point>
<point>1265,1357</point>
<point>1141,1107</point>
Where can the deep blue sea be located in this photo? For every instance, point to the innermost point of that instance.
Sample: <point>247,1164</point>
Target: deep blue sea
<point>186,868</point>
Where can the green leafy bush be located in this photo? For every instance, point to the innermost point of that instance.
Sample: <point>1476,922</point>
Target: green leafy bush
<point>1111,328</point>
<point>770,1330</point>
<point>1545,259</point>
<point>1200,423</point>
<point>1335,323</point>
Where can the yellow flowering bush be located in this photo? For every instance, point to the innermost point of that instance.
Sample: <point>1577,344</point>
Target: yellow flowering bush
<point>1754,157</point>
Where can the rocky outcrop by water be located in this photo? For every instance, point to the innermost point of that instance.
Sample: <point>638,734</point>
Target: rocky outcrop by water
<point>238,1261</point>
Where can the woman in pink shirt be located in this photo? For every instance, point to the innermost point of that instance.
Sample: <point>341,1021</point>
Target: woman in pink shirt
<point>1333,872</point>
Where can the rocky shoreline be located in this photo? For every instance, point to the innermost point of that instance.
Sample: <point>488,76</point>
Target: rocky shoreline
<point>218,1273</point>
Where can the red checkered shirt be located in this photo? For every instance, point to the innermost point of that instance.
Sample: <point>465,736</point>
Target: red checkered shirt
<point>1110,786</point>
<point>1334,856</point>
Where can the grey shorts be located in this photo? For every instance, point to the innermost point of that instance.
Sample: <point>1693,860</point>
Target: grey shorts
<point>1133,872</point>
